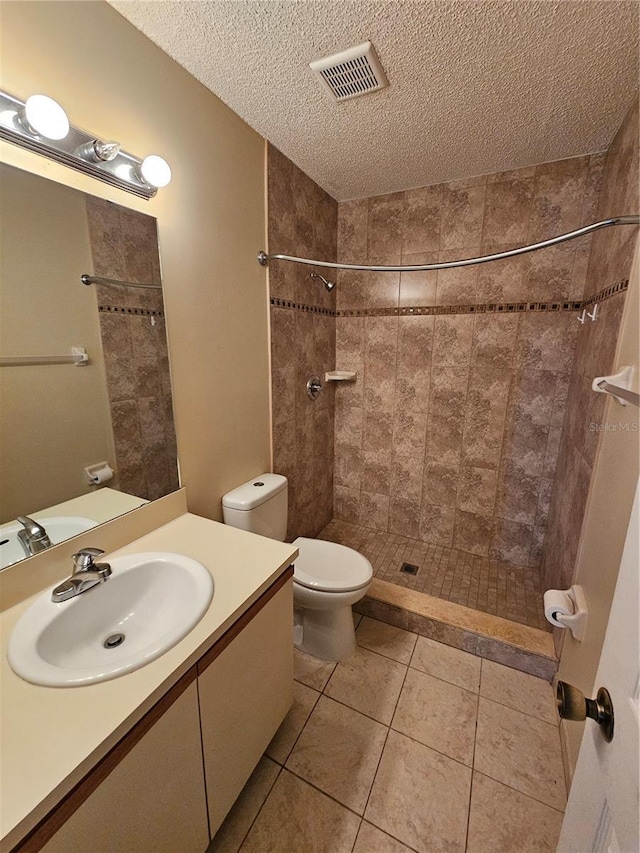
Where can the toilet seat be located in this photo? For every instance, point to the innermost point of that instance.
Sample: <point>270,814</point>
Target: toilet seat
<point>328,567</point>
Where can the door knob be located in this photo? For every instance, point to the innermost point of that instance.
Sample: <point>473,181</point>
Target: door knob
<point>573,705</point>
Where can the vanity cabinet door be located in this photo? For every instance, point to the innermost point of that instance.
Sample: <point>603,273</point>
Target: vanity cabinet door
<point>153,801</point>
<point>245,692</point>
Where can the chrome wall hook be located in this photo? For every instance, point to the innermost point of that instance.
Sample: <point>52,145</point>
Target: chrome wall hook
<point>582,316</point>
<point>593,314</point>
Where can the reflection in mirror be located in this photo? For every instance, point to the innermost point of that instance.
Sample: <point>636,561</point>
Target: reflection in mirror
<point>58,419</point>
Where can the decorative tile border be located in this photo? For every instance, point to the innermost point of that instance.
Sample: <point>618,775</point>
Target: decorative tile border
<point>113,309</point>
<point>607,293</point>
<point>300,306</point>
<point>555,306</point>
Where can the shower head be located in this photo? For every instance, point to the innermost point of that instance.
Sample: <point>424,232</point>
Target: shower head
<point>317,277</point>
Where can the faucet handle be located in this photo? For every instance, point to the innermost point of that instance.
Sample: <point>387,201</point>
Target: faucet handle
<point>84,559</point>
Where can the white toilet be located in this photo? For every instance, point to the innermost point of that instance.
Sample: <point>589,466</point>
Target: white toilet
<point>327,578</point>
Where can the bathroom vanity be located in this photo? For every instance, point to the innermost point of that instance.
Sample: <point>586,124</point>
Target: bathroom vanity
<point>153,760</point>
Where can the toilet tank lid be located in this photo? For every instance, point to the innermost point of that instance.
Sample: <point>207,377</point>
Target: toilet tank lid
<point>255,492</point>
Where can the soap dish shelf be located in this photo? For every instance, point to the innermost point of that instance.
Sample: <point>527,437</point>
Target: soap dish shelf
<point>341,376</point>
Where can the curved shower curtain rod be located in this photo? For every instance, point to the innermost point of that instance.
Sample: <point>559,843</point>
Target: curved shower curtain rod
<point>634,219</point>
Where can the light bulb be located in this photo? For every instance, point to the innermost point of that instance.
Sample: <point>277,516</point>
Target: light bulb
<point>46,117</point>
<point>155,171</point>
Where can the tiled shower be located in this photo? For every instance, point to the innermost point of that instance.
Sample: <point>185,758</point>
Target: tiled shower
<point>468,426</point>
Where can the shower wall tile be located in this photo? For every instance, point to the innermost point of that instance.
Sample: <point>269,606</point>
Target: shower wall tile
<point>462,413</point>
<point>462,217</point>
<point>418,288</point>
<point>303,220</point>
<point>124,246</point>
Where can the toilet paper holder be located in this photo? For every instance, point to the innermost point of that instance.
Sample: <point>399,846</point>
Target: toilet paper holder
<point>573,600</point>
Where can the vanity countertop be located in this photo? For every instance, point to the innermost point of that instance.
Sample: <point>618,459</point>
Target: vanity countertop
<point>51,737</point>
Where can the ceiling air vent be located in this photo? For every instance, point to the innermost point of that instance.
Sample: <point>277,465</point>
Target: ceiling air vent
<point>352,72</point>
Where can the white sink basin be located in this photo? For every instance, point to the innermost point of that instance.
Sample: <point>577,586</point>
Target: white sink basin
<point>152,599</point>
<point>59,528</point>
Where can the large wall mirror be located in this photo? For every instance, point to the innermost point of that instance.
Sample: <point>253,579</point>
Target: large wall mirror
<point>58,417</point>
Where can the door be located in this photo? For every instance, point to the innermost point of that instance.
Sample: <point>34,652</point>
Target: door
<point>602,812</point>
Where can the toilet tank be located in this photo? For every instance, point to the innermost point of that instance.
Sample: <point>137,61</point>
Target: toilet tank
<point>259,506</point>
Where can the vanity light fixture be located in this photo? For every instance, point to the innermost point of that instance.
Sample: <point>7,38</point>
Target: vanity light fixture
<point>40,124</point>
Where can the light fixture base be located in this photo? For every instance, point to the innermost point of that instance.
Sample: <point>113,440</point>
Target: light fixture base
<point>121,171</point>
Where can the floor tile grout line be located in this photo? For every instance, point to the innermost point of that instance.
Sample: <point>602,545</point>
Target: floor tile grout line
<point>473,755</point>
<point>384,745</point>
<point>522,793</point>
<point>262,804</point>
<point>293,745</point>
<point>518,710</point>
<point>324,793</point>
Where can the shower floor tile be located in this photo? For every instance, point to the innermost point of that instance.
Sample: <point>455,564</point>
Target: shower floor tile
<point>493,586</point>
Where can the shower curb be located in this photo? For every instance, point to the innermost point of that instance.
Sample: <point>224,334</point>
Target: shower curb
<point>527,649</point>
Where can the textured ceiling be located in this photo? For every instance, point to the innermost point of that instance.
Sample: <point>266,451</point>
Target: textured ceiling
<point>475,87</point>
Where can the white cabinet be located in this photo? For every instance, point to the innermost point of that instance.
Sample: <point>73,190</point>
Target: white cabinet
<point>148,795</point>
<point>153,801</point>
<point>245,692</point>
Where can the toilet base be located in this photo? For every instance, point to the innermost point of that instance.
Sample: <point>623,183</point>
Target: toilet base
<point>328,634</point>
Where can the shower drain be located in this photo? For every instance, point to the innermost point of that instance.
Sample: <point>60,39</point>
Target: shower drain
<point>114,641</point>
<point>409,569</point>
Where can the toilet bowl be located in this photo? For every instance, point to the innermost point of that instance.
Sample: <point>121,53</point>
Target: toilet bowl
<point>327,578</point>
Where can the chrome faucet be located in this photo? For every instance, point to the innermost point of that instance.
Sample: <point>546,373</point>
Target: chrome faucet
<point>86,573</point>
<point>34,538</point>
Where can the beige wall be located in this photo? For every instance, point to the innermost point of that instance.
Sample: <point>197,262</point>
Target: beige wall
<point>613,485</point>
<point>55,418</point>
<point>115,82</point>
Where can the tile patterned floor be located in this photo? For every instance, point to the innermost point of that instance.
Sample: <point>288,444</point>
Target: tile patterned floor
<point>407,746</point>
<point>492,586</point>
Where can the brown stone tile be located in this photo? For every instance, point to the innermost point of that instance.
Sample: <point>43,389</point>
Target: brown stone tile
<point>502,281</point>
<point>381,339</point>
<point>412,389</point>
<point>517,498</point>
<point>409,433</point>
<point>550,274</point>
<point>404,516</point>
<point>438,714</point>
<point>369,683</point>
<point>298,816</point>
<point>418,287</point>
<point>386,640</point>
<point>385,225</point>
<point>376,472</point>
<point>440,482</point>
<point>508,208</point>
<point>338,752</point>
<point>477,490</point>
<point>558,196</point>
<point>374,510</point>
<point>511,542</point>
<point>352,230</point>
<point>452,340</point>
<point>484,418</point>
<point>421,221</point>
<point>494,340</point>
<point>372,840</point>
<point>462,215</point>
<point>415,340</point>
<point>348,465</point>
<point>547,341</point>
<point>446,413</point>
<point>502,820</point>
<point>520,751</point>
<point>458,285</point>
<point>406,477</point>
<point>349,339</point>
<point>436,524</point>
<point>346,504</point>
<point>411,772</point>
<point>379,386</point>
<point>512,174</point>
<point>473,532</point>
<point>378,431</point>
<point>283,336</point>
